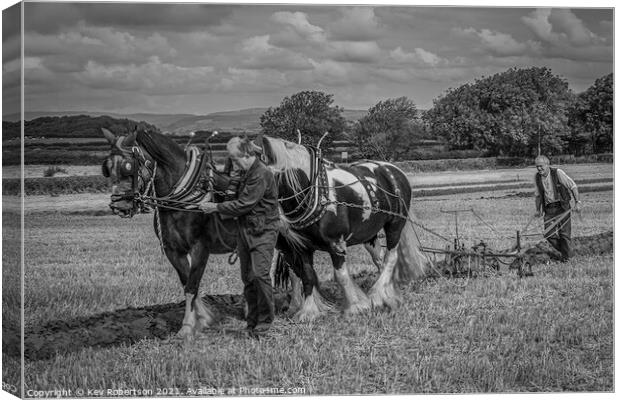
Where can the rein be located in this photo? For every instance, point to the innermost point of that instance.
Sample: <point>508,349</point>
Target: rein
<point>187,192</point>
<point>183,190</point>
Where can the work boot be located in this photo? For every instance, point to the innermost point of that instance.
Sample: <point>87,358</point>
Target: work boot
<point>260,330</point>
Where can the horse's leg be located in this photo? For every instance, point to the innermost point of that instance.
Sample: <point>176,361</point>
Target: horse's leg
<point>181,264</point>
<point>383,292</point>
<point>197,258</point>
<point>294,267</point>
<point>314,303</point>
<point>374,248</point>
<point>297,299</point>
<point>356,299</point>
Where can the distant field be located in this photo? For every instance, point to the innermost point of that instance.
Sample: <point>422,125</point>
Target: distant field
<point>36,171</point>
<point>576,171</point>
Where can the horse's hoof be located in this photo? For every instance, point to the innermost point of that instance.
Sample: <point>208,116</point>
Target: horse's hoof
<point>358,308</point>
<point>186,333</point>
<point>293,309</point>
<point>384,298</point>
<point>304,316</point>
<point>382,302</point>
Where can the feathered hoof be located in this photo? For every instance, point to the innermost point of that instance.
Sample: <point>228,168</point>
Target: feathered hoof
<point>359,307</point>
<point>313,307</point>
<point>185,334</point>
<point>305,315</point>
<point>384,296</point>
<point>205,317</point>
<point>295,305</point>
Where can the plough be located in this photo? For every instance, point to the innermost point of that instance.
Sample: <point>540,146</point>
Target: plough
<point>459,261</point>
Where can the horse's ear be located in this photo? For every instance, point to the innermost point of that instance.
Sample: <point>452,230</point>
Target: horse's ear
<point>258,142</point>
<point>109,136</point>
<point>129,139</point>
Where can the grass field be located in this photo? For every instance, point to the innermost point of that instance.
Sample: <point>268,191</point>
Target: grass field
<point>549,332</point>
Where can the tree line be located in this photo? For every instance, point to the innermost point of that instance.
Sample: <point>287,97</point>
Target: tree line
<point>519,112</point>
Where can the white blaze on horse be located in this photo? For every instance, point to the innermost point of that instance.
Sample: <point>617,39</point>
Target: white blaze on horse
<point>330,207</point>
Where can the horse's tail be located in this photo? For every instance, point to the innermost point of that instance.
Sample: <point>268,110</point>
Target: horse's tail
<point>411,262</point>
<point>282,271</point>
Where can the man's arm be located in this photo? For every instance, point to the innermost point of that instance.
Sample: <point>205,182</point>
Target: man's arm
<point>539,207</point>
<point>538,199</point>
<point>252,193</point>
<point>568,183</point>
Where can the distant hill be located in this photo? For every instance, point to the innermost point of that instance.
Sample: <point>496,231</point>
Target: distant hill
<point>74,126</point>
<point>238,121</point>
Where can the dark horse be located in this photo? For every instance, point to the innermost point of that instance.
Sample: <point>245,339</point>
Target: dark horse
<point>329,207</point>
<point>148,161</point>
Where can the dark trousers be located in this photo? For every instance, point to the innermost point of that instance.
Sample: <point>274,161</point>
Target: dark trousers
<point>559,236</point>
<point>255,256</point>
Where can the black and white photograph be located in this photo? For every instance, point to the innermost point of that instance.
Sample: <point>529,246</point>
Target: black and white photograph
<point>304,199</point>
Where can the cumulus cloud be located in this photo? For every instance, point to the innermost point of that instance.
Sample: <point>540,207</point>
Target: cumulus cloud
<point>356,24</point>
<point>221,56</point>
<point>418,57</point>
<point>299,24</point>
<point>259,53</point>
<point>560,27</point>
<point>356,52</point>
<point>153,77</point>
<point>106,44</point>
<point>499,44</point>
<point>330,73</point>
<point>564,35</point>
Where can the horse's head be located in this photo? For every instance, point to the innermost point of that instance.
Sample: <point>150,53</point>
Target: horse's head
<point>129,168</point>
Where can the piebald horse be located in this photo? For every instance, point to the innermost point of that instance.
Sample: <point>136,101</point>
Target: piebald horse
<point>330,207</point>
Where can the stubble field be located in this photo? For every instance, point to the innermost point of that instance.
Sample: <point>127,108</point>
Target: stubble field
<point>497,333</point>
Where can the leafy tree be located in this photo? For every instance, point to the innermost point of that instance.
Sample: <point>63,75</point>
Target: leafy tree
<point>518,112</point>
<point>388,129</point>
<point>311,113</point>
<point>592,116</point>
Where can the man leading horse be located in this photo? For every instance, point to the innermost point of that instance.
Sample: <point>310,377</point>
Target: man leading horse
<point>256,210</point>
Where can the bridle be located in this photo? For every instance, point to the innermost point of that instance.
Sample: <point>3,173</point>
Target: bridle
<point>133,162</point>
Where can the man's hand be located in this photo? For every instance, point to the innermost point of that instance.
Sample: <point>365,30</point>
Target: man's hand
<point>577,206</point>
<point>539,214</point>
<point>207,207</point>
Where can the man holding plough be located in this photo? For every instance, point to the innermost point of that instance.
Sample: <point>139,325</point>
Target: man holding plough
<point>553,195</point>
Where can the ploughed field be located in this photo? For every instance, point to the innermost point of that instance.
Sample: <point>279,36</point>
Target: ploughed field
<point>102,305</point>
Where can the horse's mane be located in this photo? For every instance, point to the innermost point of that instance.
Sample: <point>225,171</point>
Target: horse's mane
<point>286,158</point>
<point>163,149</point>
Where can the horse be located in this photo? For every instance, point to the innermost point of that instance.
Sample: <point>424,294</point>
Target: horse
<point>330,207</point>
<point>144,162</point>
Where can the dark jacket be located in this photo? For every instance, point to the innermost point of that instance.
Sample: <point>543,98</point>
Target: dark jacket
<point>560,190</point>
<point>257,200</point>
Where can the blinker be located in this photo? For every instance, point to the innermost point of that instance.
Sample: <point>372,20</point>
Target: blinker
<point>104,168</point>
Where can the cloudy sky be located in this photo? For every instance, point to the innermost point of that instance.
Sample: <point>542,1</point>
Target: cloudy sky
<point>202,58</point>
